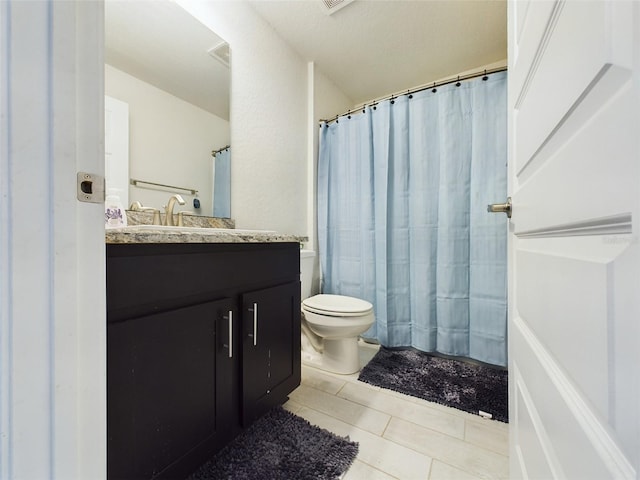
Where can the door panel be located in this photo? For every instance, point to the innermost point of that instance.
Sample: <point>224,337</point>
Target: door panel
<point>534,464</point>
<point>558,201</point>
<point>271,347</point>
<point>566,60</point>
<point>570,322</point>
<point>574,257</point>
<point>571,434</point>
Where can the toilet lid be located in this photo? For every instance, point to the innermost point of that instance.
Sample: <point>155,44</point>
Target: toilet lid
<point>337,305</point>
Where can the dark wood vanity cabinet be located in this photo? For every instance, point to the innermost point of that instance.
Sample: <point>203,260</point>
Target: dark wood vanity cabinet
<point>166,384</point>
<point>202,339</point>
<point>269,368</point>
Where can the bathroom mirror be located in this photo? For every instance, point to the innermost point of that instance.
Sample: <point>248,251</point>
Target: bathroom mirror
<point>173,74</point>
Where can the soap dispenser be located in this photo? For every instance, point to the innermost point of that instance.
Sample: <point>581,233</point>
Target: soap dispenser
<point>114,213</point>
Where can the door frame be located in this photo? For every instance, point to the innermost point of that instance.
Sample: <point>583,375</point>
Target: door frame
<point>52,280</point>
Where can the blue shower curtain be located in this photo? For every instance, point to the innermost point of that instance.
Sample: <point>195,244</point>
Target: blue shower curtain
<point>222,184</point>
<point>403,190</point>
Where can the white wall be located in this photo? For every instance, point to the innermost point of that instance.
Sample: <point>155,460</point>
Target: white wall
<point>170,141</point>
<point>329,100</point>
<point>276,102</point>
<point>268,119</point>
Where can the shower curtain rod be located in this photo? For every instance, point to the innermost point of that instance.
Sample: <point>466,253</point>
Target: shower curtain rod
<point>426,86</point>
<point>215,152</point>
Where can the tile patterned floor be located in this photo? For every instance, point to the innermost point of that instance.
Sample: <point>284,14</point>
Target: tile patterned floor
<point>401,437</point>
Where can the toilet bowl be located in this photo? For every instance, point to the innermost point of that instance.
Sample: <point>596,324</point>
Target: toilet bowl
<point>331,325</point>
<point>336,321</point>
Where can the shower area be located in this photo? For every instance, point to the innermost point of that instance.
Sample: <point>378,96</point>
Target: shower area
<point>403,189</point>
<point>221,181</point>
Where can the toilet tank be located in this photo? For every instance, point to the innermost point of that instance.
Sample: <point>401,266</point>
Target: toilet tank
<point>307,259</point>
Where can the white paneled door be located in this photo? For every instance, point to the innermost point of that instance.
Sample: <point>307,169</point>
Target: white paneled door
<point>574,249</point>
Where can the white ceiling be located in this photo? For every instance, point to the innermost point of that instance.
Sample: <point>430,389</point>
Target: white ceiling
<point>369,49</point>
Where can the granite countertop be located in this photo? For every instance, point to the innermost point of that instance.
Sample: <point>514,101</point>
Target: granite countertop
<point>199,235</point>
<point>199,229</point>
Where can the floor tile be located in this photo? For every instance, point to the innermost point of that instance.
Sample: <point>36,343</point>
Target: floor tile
<point>292,406</point>
<point>328,383</point>
<point>398,407</point>
<point>345,410</point>
<point>391,458</point>
<point>401,437</point>
<point>442,471</point>
<point>436,406</point>
<point>360,470</point>
<point>488,434</point>
<point>455,452</point>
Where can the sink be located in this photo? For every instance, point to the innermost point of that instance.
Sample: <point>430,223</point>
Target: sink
<point>203,230</point>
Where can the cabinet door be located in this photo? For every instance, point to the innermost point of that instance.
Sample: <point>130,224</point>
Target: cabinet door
<point>271,348</point>
<point>165,399</point>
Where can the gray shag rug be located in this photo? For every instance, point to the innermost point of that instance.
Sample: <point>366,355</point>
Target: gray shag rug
<point>459,384</point>
<point>281,446</point>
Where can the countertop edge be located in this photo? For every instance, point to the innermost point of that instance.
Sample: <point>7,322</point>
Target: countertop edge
<point>120,237</point>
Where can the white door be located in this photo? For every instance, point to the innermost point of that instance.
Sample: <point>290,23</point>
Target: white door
<point>52,265</point>
<point>574,82</point>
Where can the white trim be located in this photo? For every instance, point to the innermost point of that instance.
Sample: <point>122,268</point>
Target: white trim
<point>552,460</point>
<point>5,249</point>
<point>90,307</point>
<point>612,225</point>
<point>542,47</point>
<point>312,150</point>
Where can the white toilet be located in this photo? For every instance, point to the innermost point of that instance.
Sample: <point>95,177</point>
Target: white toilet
<point>331,325</point>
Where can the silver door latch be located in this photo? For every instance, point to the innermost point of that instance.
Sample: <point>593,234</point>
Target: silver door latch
<point>90,187</point>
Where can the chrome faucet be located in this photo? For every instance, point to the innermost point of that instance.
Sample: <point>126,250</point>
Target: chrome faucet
<point>168,210</point>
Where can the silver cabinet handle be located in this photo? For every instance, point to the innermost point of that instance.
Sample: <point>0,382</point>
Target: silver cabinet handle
<point>230,344</point>
<point>501,208</point>
<point>254,335</point>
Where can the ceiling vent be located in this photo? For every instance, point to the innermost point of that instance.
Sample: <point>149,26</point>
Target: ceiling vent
<point>221,52</point>
<point>332,6</point>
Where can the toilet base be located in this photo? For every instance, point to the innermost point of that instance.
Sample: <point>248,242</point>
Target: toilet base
<point>338,356</point>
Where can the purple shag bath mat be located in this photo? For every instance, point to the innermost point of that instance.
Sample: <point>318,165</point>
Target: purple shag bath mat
<point>279,446</point>
<point>466,386</point>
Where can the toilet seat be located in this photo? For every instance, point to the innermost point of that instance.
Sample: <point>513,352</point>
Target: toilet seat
<point>337,305</point>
